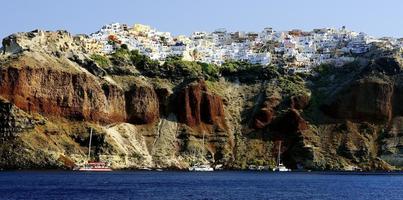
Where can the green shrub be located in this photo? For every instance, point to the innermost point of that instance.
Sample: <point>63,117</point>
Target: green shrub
<point>292,85</point>
<point>142,61</point>
<point>124,46</point>
<point>185,68</point>
<point>231,67</point>
<point>121,57</point>
<point>322,69</point>
<point>101,60</point>
<point>210,71</point>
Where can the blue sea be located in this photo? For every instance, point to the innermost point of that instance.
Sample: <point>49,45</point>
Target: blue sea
<point>198,185</point>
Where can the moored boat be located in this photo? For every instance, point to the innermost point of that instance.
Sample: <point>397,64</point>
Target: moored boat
<point>92,166</point>
<point>95,167</point>
<point>280,166</point>
<point>201,168</point>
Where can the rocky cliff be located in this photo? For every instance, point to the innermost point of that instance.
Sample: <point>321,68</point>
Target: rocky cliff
<point>173,114</point>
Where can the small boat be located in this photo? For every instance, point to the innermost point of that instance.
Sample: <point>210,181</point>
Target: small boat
<point>280,167</point>
<point>201,168</point>
<point>252,167</point>
<point>95,167</point>
<point>92,166</point>
<point>256,168</point>
<point>219,167</point>
<point>145,169</point>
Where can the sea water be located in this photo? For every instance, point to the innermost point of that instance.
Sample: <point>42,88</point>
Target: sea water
<point>198,185</point>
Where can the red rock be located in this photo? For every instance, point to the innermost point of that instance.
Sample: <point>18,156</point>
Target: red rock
<point>299,102</point>
<point>61,93</point>
<point>212,111</point>
<point>142,105</point>
<point>263,118</point>
<point>163,95</point>
<point>197,106</point>
<point>189,100</point>
<point>364,100</point>
<point>290,122</point>
<point>265,115</point>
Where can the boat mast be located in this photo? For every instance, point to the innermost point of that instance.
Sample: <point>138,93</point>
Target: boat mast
<point>89,146</point>
<point>203,145</point>
<point>278,155</point>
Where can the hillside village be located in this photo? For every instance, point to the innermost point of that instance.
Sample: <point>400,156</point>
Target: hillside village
<point>296,50</point>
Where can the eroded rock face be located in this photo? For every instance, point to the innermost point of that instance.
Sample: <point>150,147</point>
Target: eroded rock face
<point>263,118</point>
<point>142,105</point>
<point>57,43</point>
<point>398,96</point>
<point>14,121</point>
<point>212,111</point>
<point>299,101</point>
<point>197,106</point>
<point>290,123</point>
<point>164,95</point>
<point>265,115</point>
<point>10,45</point>
<point>365,100</point>
<point>61,93</point>
<point>386,65</point>
<point>375,97</point>
<point>189,100</point>
<point>392,142</point>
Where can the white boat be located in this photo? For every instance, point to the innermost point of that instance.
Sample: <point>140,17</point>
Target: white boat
<point>252,167</point>
<point>201,167</point>
<point>218,167</point>
<point>92,166</point>
<point>95,167</point>
<point>280,167</point>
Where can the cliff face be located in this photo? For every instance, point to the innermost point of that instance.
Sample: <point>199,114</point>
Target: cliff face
<point>53,93</point>
<point>198,107</point>
<point>142,105</point>
<point>60,93</point>
<point>266,113</point>
<point>364,100</point>
<point>13,120</point>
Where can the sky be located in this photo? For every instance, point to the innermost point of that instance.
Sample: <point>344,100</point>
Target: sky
<point>375,17</point>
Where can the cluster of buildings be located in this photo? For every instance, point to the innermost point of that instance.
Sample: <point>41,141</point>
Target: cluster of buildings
<point>295,49</point>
